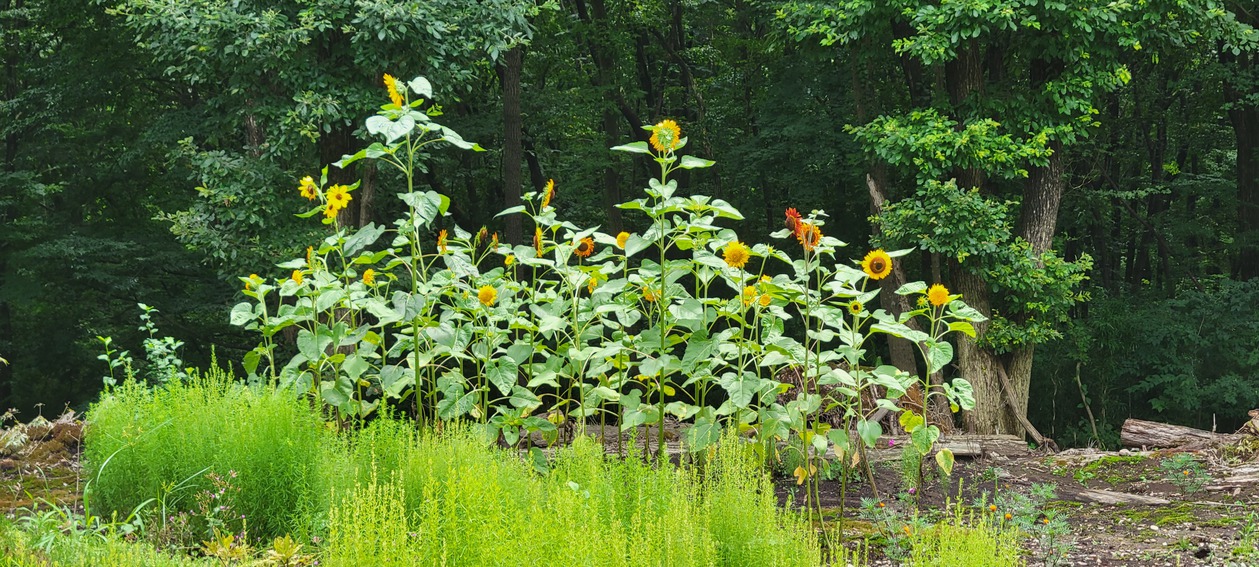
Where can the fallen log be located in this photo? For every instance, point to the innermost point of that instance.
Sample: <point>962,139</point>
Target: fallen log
<point>1152,434</point>
<point>1108,497</point>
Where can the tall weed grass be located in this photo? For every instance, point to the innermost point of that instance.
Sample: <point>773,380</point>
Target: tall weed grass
<point>427,499</point>
<point>158,445</point>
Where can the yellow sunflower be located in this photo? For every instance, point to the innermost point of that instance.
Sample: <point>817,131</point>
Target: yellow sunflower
<point>877,264</point>
<point>749,295</point>
<point>809,235</point>
<point>621,239</point>
<point>392,84</point>
<point>338,197</point>
<point>548,193</point>
<point>297,277</point>
<point>509,260</point>
<point>369,276</point>
<point>855,307</point>
<point>650,295</point>
<point>666,136</point>
<point>765,300</point>
<point>938,295</point>
<point>736,254</point>
<point>308,188</point>
<point>253,282</point>
<point>441,241</point>
<point>494,240</point>
<point>537,240</point>
<point>486,295</point>
<point>585,247</point>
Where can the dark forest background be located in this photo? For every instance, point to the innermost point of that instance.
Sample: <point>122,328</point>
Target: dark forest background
<point>151,152</point>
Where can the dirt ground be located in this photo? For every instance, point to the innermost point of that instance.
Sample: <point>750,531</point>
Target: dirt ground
<point>1164,524</point>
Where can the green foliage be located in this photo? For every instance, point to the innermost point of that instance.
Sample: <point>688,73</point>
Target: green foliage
<point>1185,471</point>
<point>966,539</point>
<point>159,444</point>
<point>449,499</point>
<point>46,545</point>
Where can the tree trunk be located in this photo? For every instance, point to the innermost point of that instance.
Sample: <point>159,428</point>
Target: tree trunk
<point>979,365</point>
<point>513,147</point>
<point>605,71</point>
<point>1245,120</point>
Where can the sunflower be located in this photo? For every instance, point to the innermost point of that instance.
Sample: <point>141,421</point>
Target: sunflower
<point>253,282</point>
<point>938,295</point>
<point>548,193</point>
<point>392,84</point>
<point>338,197</point>
<point>877,264</point>
<point>592,284</point>
<point>736,254</point>
<point>486,295</point>
<point>765,300</point>
<point>666,136</point>
<point>537,240</point>
<point>369,277</point>
<point>308,188</point>
<point>494,240</point>
<point>585,247</point>
<point>310,256</point>
<point>749,295</point>
<point>809,235</point>
<point>650,295</point>
<point>793,221</point>
<point>509,260</point>
<point>855,307</point>
<point>621,239</point>
<point>441,241</point>
<point>296,277</point>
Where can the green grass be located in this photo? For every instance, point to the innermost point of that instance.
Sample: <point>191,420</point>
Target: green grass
<point>160,444</point>
<point>50,548</point>
<point>965,540</point>
<point>446,499</point>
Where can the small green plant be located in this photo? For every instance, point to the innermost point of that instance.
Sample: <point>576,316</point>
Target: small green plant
<point>1185,471</point>
<point>1048,529</point>
<point>1248,537</point>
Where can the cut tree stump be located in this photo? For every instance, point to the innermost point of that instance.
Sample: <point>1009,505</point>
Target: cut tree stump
<point>1152,434</point>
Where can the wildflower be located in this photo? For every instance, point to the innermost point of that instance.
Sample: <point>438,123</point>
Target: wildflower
<point>992,507</point>
<point>509,260</point>
<point>1008,517</point>
<point>537,240</point>
<point>764,279</point>
<point>666,136</point>
<point>1186,473</point>
<point>296,277</point>
<point>254,281</point>
<point>906,529</point>
<point>650,295</point>
<point>585,247</point>
<point>855,307</point>
<point>590,285</point>
<point>441,241</point>
<point>392,85</point>
<point>891,443</point>
<point>548,193</point>
<point>736,254</point>
<point>912,490</point>
<point>809,235</point>
<point>1045,521</point>
<point>877,264</point>
<point>765,300</point>
<point>369,276</point>
<point>487,295</point>
<point>308,188</point>
<point>494,240</point>
<point>938,295</point>
<point>749,295</point>
<point>793,220</point>
<point>621,239</point>
<point>881,505</point>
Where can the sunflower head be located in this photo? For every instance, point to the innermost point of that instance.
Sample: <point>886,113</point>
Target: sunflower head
<point>486,295</point>
<point>793,220</point>
<point>855,307</point>
<point>509,260</point>
<point>548,193</point>
<point>297,277</point>
<point>308,188</point>
<point>877,264</point>
<point>585,247</point>
<point>650,294</point>
<point>537,240</point>
<point>809,235</point>
<point>749,295</point>
<point>369,276</point>
<point>494,240</point>
<point>310,256</point>
<point>736,254</point>
<point>338,197</point>
<point>765,300</point>
<point>666,136</point>
<point>252,282</point>
<point>621,239</point>
<point>392,85</point>
<point>938,295</point>
<point>441,241</point>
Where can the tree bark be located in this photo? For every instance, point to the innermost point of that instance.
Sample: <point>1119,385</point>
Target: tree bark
<point>513,147</point>
<point>1141,433</point>
<point>596,17</point>
<point>1245,120</point>
<point>979,365</point>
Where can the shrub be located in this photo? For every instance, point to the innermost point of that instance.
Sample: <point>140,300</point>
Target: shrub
<point>159,446</point>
